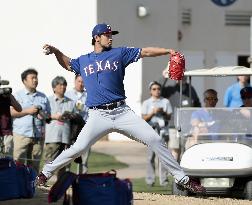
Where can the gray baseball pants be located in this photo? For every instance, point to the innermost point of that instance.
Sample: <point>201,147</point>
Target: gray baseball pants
<point>124,121</point>
<point>151,167</point>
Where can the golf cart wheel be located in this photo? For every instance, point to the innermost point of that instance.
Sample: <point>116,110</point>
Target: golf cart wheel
<point>248,190</point>
<point>176,191</point>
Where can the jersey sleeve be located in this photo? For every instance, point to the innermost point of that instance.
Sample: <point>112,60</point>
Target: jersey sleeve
<point>227,97</point>
<point>144,108</point>
<point>48,107</point>
<point>72,105</point>
<point>195,116</point>
<point>17,97</point>
<point>130,55</point>
<point>168,107</point>
<point>75,65</point>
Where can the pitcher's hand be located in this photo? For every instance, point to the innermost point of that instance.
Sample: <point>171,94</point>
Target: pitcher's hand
<point>48,49</point>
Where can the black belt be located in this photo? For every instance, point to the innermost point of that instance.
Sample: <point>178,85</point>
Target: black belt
<point>109,106</point>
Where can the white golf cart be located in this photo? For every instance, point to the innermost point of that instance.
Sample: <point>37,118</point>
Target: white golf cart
<point>221,158</point>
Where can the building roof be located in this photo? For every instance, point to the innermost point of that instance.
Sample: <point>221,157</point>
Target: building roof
<point>220,71</point>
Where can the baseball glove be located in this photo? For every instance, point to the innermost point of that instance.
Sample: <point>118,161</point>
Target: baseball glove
<point>176,67</point>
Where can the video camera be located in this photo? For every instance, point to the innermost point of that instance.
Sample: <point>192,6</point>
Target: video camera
<point>68,115</point>
<point>46,117</point>
<point>5,90</point>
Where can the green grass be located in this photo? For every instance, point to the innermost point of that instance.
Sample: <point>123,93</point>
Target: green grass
<point>99,162</point>
<point>139,185</point>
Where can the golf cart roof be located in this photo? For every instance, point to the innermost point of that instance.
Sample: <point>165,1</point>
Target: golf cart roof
<point>220,71</point>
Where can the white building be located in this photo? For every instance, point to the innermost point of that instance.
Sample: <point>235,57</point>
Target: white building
<point>208,33</point>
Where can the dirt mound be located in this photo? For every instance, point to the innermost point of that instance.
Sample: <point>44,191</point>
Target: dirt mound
<point>139,199</point>
<point>157,199</point>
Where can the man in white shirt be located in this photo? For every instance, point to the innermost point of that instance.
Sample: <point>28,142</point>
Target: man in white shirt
<point>157,111</point>
<point>57,132</point>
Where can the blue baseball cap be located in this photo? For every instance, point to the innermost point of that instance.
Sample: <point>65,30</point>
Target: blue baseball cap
<point>102,29</point>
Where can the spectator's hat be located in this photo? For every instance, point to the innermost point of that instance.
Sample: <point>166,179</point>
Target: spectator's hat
<point>246,92</point>
<point>154,83</point>
<point>103,29</point>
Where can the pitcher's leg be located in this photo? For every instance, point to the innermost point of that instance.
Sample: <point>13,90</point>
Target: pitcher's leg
<point>138,129</point>
<point>95,128</point>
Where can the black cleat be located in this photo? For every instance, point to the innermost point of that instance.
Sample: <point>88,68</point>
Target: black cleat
<point>192,186</point>
<point>41,180</point>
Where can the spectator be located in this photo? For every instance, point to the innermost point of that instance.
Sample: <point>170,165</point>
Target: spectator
<point>57,133</point>
<point>28,125</point>
<point>156,111</point>
<point>232,96</point>
<point>202,120</point>
<point>79,95</point>
<point>6,138</point>
<point>173,94</point>
<point>246,96</point>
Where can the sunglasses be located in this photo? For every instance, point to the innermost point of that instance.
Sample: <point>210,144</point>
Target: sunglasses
<point>211,98</point>
<point>155,88</point>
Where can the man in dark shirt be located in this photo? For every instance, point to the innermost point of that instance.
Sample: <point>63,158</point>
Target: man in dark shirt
<point>172,93</point>
<point>246,111</point>
<point>6,139</point>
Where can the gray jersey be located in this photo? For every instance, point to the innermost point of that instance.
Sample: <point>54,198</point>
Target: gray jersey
<point>151,103</point>
<point>57,131</point>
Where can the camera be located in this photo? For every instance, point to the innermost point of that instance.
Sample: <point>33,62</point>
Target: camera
<point>46,117</point>
<point>68,115</point>
<point>5,90</point>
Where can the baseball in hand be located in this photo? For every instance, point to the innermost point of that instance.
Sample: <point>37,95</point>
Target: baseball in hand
<point>47,51</point>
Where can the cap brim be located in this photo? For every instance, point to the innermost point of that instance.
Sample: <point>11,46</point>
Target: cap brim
<point>114,32</point>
